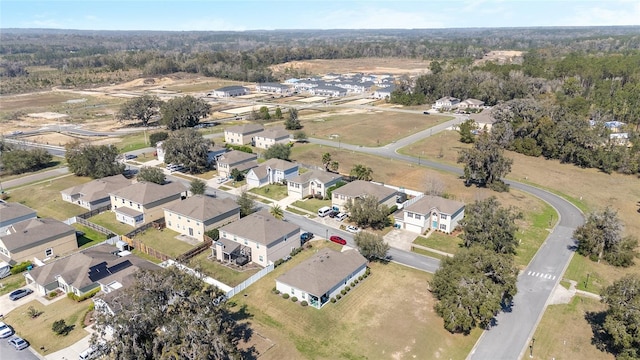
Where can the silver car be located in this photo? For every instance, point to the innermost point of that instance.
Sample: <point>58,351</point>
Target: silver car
<point>18,343</point>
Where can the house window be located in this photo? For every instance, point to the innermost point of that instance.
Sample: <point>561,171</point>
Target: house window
<point>246,242</point>
<point>443,227</point>
<point>169,223</point>
<point>443,216</point>
<point>410,215</point>
<point>293,291</point>
<point>257,246</point>
<point>130,203</point>
<point>48,252</point>
<point>188,220</point>
<point>123,201</point>
<point>418,216</point>
<point>260,257</point>
<point>138,206</point>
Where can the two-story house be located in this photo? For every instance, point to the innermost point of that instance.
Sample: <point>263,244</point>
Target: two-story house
<point>268,138</point>
<point>196,215</point>
<point>446,103</point>
<point>40,239</point>
<point>242,134</point>
<point>235,160</point>
<point>359,189</point>
<point>143,202</point>
<point>11,213</point>
<point>313,182</point>
<point>433,212</point>
<point>271,171</point>
<point>95,194</point>
<point>259,238</point>
<point>274,88</point>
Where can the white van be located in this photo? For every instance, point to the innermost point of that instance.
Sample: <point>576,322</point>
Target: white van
<point>324,211</point>
<point>88,353</point>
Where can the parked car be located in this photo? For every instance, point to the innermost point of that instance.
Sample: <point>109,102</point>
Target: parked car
<point>304,237</point>
<point>338,240</point>
<point>341,216</point>
<point>5,330</point>
<point>333,213</point>
<point>353,229</point>
<point>19,294</point>
<point>130,156</point>
<point>222,180</point>
<point>19,343</point>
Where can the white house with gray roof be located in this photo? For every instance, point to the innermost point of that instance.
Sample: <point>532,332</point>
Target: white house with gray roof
<point>268,138</point>
<point>143,202</point>
<point>359,189</point>
<point>312,182</point>
<point>230,91</point>
<point>195,215</point>
<point>273,88</point>
<point>242,134</point>
<point>95,194</point>
<point>259,238</point>
<point>322,276</point>
<point>272,171</point>
<point>235,160</point>
<point>433,213</point>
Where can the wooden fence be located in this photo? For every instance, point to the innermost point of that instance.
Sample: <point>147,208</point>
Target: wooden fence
<point>94,212</point>
<point>95,227</point>
<point>196,250</point>
<point>140,246</point>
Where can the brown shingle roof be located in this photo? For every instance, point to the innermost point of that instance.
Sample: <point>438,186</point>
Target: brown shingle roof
<point>25,234</point>
<point>148,192</point>
<point>360,188</point>
<point>324,270</point>
<point>430,202</point>
<point>260,227</point>
<point>203,208</point>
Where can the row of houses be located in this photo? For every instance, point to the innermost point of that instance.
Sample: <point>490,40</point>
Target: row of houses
<point>450,102</point>
<point>256,135</point>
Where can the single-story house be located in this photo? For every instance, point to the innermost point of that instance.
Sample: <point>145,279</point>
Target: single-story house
<point>328,90</point>
<point>95,194</point>
<point>259,238</point>
<point>12,212</point>
<point>143,202</point>
<point>268,138</point>
<point>271,171</point>
<point>313,182</point>
<point>433,212</point>
<point>274,88</point>
<point>620,139</point>
<point>196,215</point>
<point>40,239</point>
<point>242,134</point>
<point>235,160</point>
<point>230,91</point>
<point>322,276</point>
<point>447,102</point>
<point>359,189</point>
<point>101,266</point>
<point>614,126</point>
<point>471,104</point>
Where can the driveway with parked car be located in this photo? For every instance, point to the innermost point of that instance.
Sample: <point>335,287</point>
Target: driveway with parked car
<point>20,293</point>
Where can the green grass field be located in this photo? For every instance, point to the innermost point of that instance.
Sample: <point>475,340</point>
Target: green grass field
<point>272,191</point>
<point>108,220</point>
<point>164,241</point>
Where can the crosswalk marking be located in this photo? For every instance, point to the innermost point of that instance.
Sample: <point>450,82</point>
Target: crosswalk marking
<point>541,275</point>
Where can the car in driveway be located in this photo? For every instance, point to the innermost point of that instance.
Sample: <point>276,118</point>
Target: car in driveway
<point>304,237</point>
<point>341,216</point>
<point>353,229</point>
<point>18,343</point>
<point>5,330</point>
<point>19,294</point>
<point>338,240</point>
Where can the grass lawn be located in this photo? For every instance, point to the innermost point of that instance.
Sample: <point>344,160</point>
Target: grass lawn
<point>164,241</point>
<point>370,128</point>
<point>45,197</point>
<point>218,271</point>
<point>600,275</point>
<point>534,229</point>
<point>56,162</point>
<point>134,141</point>
<point>12,282</point>
<point>296,211</point>
<point>90,237</point>
<point>272,191</point>
<point>428,253</point>
<point>108,220</point>
<point>311,205</point>
<point>38,331</point>
<point>440,241</point>
<point>564,333</point>
<point>389,315</point>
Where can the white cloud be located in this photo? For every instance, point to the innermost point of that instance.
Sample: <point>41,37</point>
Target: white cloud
<point>615,13</point>
<point>379,18</point>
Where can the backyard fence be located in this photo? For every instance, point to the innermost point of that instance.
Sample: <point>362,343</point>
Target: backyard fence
<point>95,227</point>
<point>255,277</point>
<point>158,224</point>
<point>196,250</point>
<point>140,246</point>
<point>94,212</point>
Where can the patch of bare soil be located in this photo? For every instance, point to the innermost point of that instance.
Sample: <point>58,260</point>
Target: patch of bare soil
<point>366,65</point>
<point>501,57</point>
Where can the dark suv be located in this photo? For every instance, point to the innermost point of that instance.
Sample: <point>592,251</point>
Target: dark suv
<point>304,237</point>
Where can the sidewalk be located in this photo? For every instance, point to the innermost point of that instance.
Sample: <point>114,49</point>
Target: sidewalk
<point>73,351</point>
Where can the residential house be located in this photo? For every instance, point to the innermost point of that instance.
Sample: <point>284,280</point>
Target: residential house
<point>95,194</point>
<point>235,160</point>
<point>384,93</point>
<point>471,104</point>
<point>143,202</point>
<point>359,189</point>
<point>271,171</point>
<point>11,213</point>
<point>620,139</point>
<point>101,266</point>
<point>446,103</point>
<point>322,276</point>
<point>268,138</point>
<point>328,90</point>
<point>196,215</point>
<point>312,182</point>
<point>259,238</point>
<point>273,88</point>
<point>433,213</point>
<point>230,91</point>
<point>614,126</point>
<point>242,134</point>
<point>40,239</point>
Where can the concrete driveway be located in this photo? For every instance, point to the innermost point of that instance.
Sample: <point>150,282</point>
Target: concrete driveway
<point>400,239</point>
<point>7,305</point>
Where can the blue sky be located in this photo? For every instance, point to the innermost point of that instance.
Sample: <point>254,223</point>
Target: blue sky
<point>241,15</point>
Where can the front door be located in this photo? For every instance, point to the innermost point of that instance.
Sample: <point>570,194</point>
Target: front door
<point>435,224</point>
<point>190,232</point>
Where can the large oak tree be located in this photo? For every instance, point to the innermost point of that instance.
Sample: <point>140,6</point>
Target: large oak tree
<point>185,111</point>
<point>142,108</point>
<point>189,148</point>
<point>491,226</point>
<point>96,161</point>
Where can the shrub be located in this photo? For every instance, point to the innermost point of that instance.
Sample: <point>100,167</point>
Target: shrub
<point>274,289</point>
<point>360,277</point>
<point>338,297</point>
<point>367,272</point>
<point>159,136</point>
<point>278,263</point>
<point>343,291</point>
<point>304,303</point>
<point>60,327</point>
<point>33,312</point>
<point>393,209</point>
<point>86,296</point>
<point>333,300</point>
<point>347,288</point>
<point>20,267</point>
<point>277,292</point>
<point>52,294</point>
<point>285,296</point>
<point>294,299</point>
<point>353,284</point>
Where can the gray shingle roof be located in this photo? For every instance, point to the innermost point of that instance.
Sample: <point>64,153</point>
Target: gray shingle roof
<point>148,192</point>
<point>12,210</point>
<point>274,134</point>
<point>25,234</point>
<point>322,176</point>
<point>276,164</point>
<point>360,188</point>
<point>245,129</point>
<point>429,202</point>
<point>203,208</point>
<point>99,188</point>
<point>260,227</point>
<point>235,156</point>
<point>324,270</point>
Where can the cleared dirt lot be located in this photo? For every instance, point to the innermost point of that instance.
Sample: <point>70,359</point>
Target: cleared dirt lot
<point>367,65</point>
